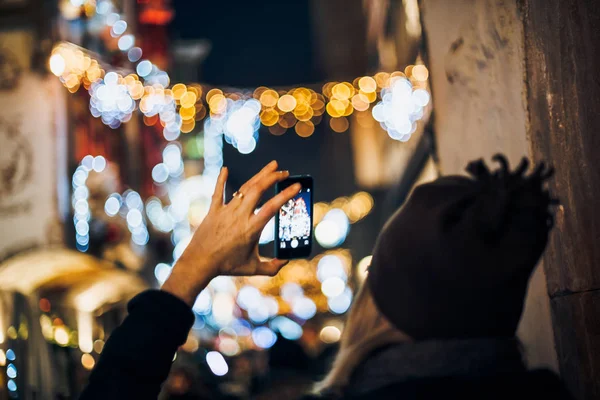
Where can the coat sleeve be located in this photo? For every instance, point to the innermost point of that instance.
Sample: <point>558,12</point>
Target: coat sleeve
<point>137,357</point>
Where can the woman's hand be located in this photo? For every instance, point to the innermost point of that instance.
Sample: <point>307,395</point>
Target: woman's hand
<point>226,242</point>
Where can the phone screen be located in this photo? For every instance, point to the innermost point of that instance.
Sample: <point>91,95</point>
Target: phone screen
<point>294,221</point>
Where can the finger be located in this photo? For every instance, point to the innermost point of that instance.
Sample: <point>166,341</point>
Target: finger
<point>270,267</point>
<point>217,197</point>
<point>260,187</point>
<point>267,169</point>
<point>272,206</point>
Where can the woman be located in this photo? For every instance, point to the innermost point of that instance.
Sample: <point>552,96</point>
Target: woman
<point>436,317</point>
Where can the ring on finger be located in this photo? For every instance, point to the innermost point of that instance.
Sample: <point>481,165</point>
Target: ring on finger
<point>239,195</point>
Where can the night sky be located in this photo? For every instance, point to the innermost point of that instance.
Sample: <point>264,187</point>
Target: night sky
<point>267,42</point>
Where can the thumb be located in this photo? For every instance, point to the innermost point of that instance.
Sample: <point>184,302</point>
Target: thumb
<point>270,267</point>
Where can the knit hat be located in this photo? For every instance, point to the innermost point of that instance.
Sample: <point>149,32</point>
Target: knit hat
<point>455,260</point>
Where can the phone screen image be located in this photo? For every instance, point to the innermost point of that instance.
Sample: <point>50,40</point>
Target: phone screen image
<point>294,222</point>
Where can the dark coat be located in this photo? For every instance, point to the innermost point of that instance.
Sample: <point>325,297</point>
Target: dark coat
<point>488,368</point>
<point>531,385</point>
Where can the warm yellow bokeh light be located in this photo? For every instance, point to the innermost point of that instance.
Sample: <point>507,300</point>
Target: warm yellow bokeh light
<point>348,110</point>
<point>367,84</point>
<point>211,93</point>
<point>269,117</point>
<point>57,64</point>
<point>331,110</point>
<point>339,105</point>
<point>179,90</point>
<point>359,104</point>
<point>187,112</point>
<point>61,336</point>
<point>369,97</point>
<point>339,124</point>
<point>88,361</point>
<point>286,103</point>
<point>94,72</point>
<point>305,128</point>
<point>327,89</point>
<point>136,91</point>
<point>188,99</point>
<point>188,126</point>
<point>382,79</point>
<point>397,74</point>
<point>420,73</point>
<point>259,91</point>
<point>287,120</point>
<point>217,104</point>
<point>359,206</point>
<point>269,98</point>
<point>305,116</point>
<point>330,334</point>
<point>277,130</point>
<point>196,89</point>
<point>341,91</point>
<point>319,210</point>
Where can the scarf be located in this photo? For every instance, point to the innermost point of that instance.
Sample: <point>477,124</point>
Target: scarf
<point>434,359</point>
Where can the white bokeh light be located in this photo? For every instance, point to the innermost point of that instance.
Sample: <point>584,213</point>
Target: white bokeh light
<point>160,173</point>
<point>264,337</point>
<point>162,272</point>
<point>111,101</point>
<point>203,303</point>
<point>331,266</point>
<point>400,108</point>
<point>112,205</point>
<point>287,328</point>
<point>304,308</point>
<point>333,229</point>
<point>333,286</point>
<point>216,362</point>
<point>341,303</point>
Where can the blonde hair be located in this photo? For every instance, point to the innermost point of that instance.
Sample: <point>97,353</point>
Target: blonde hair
<point>366,330</point>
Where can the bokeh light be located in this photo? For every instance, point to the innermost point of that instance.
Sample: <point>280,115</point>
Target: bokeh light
<point>264,337</point>
<point>216,362</point>
<point>330,334</point>
<point>88,361</point>
<point>333,228</point>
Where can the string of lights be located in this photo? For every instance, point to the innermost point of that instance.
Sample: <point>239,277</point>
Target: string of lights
<point>397,101</point>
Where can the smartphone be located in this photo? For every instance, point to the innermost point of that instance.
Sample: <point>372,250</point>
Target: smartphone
<point>294,221</point>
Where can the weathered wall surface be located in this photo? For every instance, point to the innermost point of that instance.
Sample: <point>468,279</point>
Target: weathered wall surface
<point>32,152</point>
<point>476,60</point>
<point>562,46</point>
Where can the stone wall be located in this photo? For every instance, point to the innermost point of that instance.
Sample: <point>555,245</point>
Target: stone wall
<point>562,46</point>
<point>476,61</point>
